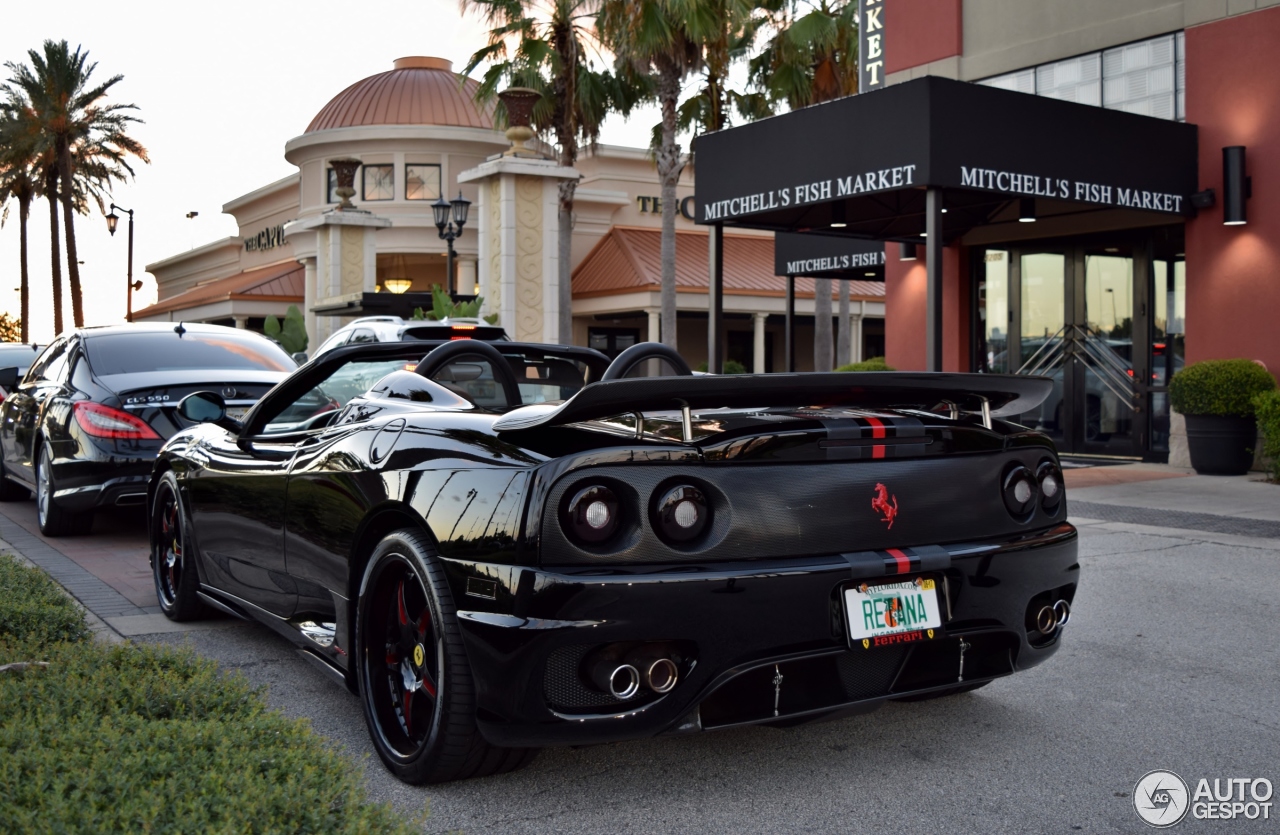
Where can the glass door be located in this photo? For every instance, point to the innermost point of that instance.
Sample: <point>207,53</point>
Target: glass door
<point>1071,314</point>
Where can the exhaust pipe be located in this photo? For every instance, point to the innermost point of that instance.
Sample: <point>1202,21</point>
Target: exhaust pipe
<point>1062,611</point>
<point>660,674</point>
<point>620,680</point>
<point>1046,620</point>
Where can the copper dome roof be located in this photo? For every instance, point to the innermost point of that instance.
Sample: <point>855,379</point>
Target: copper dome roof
<point>419,91</point>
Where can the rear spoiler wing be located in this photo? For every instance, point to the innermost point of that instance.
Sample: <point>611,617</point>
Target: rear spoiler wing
<point>998,395</point>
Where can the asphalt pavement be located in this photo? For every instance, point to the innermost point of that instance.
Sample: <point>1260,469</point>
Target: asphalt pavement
<point>1170,662</point>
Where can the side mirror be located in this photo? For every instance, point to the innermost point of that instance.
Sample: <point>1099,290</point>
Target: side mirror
<point>9,378</point>
<point>207,407</point>
<point>300,357</point>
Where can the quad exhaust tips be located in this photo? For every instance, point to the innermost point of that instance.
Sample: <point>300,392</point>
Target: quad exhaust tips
<point>1052,618</point>
<point>647,667</point>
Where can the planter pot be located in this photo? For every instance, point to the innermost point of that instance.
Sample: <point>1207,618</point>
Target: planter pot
<point>1221,445</point>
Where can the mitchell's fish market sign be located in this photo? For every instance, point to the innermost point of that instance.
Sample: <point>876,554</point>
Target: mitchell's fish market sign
<point>802,194</point>
<point>849,261</point>
<point>1034,185</point>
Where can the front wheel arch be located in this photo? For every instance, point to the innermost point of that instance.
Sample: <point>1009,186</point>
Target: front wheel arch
<point>371,532</point>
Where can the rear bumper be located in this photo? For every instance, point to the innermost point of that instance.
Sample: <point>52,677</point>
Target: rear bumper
<point>737,627</point>
<point>92,477</point>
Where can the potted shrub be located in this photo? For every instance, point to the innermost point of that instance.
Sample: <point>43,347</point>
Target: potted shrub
<point>1217,399</point>
<point>869,364</point>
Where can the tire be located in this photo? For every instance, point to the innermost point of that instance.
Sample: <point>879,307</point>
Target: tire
<point>54,520</point>
<point>11,491</point>
<point>942,694</point>
<point>415,682</point>
<point>173,559</point>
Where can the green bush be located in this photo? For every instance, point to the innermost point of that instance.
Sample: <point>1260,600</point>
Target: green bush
<point>150,739</point>
<point>33,607</point>
<point>869,364</point>
<point>1219,387</point>
<point>730,367</point>
<point>1267,408</point>
<point>292,335</point>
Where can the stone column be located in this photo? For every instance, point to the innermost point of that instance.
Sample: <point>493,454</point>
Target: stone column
<point>757,364</point>
<point>345,266</point>
<point>466,277</point>
<point>309,293</point>
<point>242,322</point>
<point>655,324</point>
<point>855,336</point>
<point>518,229</point>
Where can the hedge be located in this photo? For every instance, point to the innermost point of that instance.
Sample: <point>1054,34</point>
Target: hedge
<point>1219,387</point>
<point>33,607</point>
<point>869,364</point>
<point>1267,408</point>
<point>154,739</point>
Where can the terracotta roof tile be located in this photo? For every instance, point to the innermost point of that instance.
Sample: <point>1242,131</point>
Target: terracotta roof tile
<point>280,282</point>
<point>629,259</point>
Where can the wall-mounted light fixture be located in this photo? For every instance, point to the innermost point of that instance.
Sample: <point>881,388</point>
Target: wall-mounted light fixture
<point>906,252</point>
<point>837,216</point>
<point>1027,210</point>
<point>1236,187</point>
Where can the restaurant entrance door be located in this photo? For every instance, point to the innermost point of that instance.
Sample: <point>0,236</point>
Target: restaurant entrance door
<point>1079,316</point>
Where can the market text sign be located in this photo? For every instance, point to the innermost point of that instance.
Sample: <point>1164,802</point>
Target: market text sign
<point>1061,188</point>
<point>853,260</point>
<point>870,44</point>
<point>822,191</point>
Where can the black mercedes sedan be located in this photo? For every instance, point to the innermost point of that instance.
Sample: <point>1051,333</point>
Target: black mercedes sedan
<point>83,425</point>
<point>502,546</point>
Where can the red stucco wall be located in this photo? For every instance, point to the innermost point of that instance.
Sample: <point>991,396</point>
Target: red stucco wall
<point>1233,272</point>
<point>919,31</point>
<point>904,302</point>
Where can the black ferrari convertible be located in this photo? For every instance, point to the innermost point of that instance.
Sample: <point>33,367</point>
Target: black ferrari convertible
<point>506,546</point>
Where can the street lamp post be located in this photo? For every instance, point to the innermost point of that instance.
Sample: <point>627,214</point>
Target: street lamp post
<point>450,228</point>
<point>112,220</point>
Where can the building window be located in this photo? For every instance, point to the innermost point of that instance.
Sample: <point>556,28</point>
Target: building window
<point>379,182</point>
<point>1147,77</point>
<point>421,181</point>
<point>612,341</point>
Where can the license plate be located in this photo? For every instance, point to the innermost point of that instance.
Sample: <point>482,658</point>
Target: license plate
<point>237,412</point>
<point>892,613</point>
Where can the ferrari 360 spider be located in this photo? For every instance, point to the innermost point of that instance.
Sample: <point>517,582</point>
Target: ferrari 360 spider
<point>502,546</point>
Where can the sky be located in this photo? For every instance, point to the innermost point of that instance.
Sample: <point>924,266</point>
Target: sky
<point>222,87</point>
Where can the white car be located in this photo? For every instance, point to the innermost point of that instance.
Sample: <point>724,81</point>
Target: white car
<point>395,329</point>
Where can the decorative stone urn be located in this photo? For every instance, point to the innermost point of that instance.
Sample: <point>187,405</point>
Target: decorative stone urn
<point>345,172</point>
<point>519,102</point>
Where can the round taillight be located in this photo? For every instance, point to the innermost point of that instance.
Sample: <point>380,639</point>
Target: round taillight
<point>1019,489</point>
<point>591,515</point>
<point>681,513</point>
<point>1049,477</point>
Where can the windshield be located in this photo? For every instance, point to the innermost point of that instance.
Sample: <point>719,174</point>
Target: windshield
<point>347,382</point>
<point>131,353</point>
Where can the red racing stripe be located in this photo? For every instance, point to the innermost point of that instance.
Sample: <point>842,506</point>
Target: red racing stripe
<point>903,561</point>
<point>877,426</point>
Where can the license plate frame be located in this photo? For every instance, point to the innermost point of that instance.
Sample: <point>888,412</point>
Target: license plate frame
<point>238,412</point>
<point>920,611</point>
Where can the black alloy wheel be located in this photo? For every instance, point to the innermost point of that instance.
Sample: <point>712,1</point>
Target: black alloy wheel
<point>173,565</point>
<point>415,682</point>
<point>55,520</point>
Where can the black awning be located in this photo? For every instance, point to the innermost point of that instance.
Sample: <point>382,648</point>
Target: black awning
<point>865,161</point>
<point>826,256</point>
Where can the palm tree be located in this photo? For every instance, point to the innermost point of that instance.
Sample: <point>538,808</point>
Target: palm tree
<point>813,54</point>
<point>811,58</point>
<point>724,31</point>
<point>18,182</point>
<point>545,46</point>
<point>85,138</point>
<point>650,41</point>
